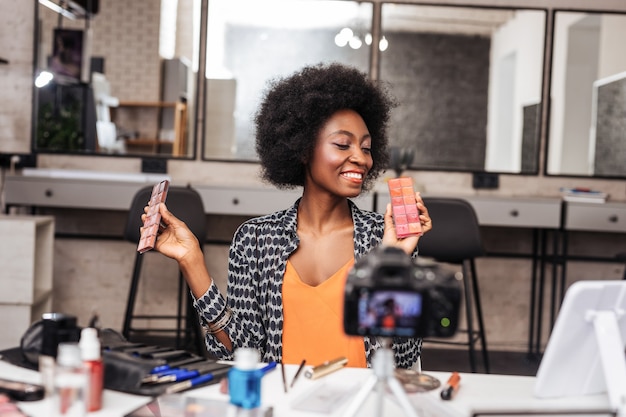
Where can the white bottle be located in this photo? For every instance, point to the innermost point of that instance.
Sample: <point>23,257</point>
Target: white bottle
<point>70,382</point>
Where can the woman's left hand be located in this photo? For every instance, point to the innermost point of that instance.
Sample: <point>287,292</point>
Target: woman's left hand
<point>408,244</point>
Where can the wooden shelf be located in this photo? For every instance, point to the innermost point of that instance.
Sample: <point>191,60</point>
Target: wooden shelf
<point>147,142</point>
<point>144,118</point>
<point>158,104</point>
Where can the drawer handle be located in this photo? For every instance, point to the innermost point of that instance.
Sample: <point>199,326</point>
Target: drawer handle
<point>613,218</point>
<point>514,213</point>
<point>235,201</point>
<point>49,193</point>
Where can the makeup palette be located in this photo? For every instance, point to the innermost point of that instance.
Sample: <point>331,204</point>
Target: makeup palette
<point>153,217</point>
<point>404,207</point>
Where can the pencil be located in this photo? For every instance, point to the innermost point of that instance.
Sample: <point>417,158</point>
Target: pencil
<point>298,372</point>
<point>282,370</point>
<point>326,368</point>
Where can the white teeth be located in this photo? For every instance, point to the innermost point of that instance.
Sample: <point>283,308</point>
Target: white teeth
<point>353,175</point>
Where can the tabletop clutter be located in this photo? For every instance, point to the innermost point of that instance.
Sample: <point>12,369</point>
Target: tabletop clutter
<point>76,364</point>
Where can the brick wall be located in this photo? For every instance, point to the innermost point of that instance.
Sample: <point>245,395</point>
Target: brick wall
<point>127,34</point>
<point>16,46</point>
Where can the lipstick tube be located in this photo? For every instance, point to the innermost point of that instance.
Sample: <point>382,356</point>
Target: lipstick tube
<point>326,368</point>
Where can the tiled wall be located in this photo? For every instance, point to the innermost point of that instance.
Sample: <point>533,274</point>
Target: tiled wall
<point>610,144</point>
<point>127,34</point>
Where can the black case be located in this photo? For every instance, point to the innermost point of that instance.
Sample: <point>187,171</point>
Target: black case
<point>125,363</point>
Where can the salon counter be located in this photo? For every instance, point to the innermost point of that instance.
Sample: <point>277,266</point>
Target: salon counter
<point>477,393</point>
<point>76,188</point>
<point>505,211</point>
<point>115,191</point>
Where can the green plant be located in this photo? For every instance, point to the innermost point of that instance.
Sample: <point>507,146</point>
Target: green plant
<point>58,127</point>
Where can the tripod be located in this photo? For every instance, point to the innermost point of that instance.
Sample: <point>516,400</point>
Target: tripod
<point>383,367</point>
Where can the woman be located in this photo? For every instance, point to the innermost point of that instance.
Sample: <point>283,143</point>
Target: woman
<point>322,129</point>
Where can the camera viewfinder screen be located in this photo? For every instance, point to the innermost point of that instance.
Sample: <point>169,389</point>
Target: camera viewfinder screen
<point>389,313</point>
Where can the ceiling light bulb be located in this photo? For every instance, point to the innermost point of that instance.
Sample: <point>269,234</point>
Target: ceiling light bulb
<point>343,37</point>
<point>341,40</point>
<point>355,42</point>
<point>368,39</point>
<point>383,44</point>
<point>43,79</point>
<point>346,32</point>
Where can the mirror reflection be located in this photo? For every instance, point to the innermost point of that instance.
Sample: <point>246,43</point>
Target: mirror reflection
<point>116,77</point>
<point>469,82</point>
<point>249,43</point>
<point>588,95</point>
<point>468,79</point>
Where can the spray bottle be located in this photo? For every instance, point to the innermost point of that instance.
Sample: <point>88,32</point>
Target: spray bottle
<point>92,361</point>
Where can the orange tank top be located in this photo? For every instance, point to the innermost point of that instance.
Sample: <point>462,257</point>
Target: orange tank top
<point>313,321</point>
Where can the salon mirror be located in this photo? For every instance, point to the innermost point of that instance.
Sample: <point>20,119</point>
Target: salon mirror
<point>250,42</point>
<point>469,83</point>
<point>468,79</point>
<point>117,81</point>
<point>587,95</point>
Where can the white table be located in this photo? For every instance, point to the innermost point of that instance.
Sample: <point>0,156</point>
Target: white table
<point>477,392</point>
<point>115,404</point>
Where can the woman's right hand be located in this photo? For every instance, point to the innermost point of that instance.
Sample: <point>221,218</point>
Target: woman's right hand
<point>174,240</point>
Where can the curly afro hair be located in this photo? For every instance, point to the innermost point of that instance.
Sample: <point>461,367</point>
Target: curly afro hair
<point>293,110</point>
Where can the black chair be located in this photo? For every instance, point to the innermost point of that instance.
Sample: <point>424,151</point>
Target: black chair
<point>186,204</point>
<point>455,239</point>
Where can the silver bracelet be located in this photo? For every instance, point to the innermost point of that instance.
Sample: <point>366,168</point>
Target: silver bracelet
<point>221,322</point>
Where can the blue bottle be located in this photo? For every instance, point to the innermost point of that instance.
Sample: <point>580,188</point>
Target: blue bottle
<point>244,379</point>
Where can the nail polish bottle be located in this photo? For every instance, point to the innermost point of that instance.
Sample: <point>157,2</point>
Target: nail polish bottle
<point>244,382</point>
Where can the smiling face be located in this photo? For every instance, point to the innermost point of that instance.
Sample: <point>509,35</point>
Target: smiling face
<point>342,155</point>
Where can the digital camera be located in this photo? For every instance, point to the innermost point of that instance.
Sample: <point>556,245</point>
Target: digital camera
<point>388,295</point>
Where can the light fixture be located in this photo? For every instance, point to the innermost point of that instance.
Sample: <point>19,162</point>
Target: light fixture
<point>58,9</point>
<point>355,42</point>
<point>347,36</point>
<point>383,44</point>
<point>343,37</point>
<point>72,9</point>
<point>43,79</point>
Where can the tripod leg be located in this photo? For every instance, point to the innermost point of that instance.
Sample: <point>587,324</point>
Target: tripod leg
<point>383,367</point>
<point>400,395</point>
<point>380,396</point>
<point>361,396</point>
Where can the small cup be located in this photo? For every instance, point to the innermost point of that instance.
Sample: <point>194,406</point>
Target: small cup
<point>58,328</point>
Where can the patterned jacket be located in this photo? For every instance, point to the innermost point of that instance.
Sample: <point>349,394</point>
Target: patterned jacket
<point>257,260</point>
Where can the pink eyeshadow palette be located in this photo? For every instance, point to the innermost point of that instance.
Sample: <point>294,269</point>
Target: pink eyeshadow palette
<point>404,207</point>
<point>153,217</point>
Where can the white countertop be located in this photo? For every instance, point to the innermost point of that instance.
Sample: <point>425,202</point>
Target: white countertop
<point>477,392</point>
<point>94,175</point>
